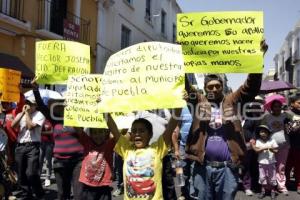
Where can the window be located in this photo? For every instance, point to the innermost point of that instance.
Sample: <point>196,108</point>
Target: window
<point>129,1</point>
<point>12,8</point>
<point>174,33</point>
<point>298,78</point>
<point>163,22</point>
<point>5,6</point>
<point>148,10</point>
<point>58,13</point>
<point>125,37</point>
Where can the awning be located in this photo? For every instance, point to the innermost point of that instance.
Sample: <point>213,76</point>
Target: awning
<point>13,62</point>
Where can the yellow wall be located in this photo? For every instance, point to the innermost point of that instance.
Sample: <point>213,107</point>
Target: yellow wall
<point>89,10</point>
<point>23,44</point>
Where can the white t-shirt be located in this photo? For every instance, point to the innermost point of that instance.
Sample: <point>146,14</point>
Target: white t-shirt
<point>33,135</point>
<point>266,156</point>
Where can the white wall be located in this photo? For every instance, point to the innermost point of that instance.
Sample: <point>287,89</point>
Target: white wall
<point>133,17</point>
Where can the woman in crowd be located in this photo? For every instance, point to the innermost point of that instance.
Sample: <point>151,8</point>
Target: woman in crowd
<point>276,120</point>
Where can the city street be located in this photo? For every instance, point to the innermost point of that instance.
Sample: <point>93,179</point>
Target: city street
<point>199,91</point>
<point>51,194</point>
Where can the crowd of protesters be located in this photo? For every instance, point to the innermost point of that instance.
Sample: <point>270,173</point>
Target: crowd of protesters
<point>217,147</point>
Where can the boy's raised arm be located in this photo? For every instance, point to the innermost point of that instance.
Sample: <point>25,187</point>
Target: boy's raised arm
<point>112,126</point>
<point>172,125</point>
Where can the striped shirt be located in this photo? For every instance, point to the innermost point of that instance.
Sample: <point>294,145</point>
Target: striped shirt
<point>66,143</point>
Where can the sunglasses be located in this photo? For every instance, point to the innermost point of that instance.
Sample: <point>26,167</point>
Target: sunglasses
<point>211,87</point>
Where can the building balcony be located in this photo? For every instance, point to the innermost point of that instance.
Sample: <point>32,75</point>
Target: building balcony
<point>12,8</point>
<point>56,22</point>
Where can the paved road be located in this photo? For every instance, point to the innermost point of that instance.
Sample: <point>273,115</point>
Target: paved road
<point>51,195</point>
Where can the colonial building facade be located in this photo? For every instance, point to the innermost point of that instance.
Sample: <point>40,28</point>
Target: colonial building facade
<point>106,25</point>
<point>22,23</point>
<point>122,23</point>
<point>287,60</point>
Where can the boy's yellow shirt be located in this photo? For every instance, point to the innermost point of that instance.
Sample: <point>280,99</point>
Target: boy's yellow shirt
<point>142,169</point>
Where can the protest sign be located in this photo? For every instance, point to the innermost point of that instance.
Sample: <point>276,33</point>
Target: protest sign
<point>82,109</point>
<point>10,85</point>
<point>221,42</point>
<point>56,59</point>
<point>144,76</point>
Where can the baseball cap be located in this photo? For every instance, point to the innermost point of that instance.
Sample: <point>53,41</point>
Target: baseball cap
<point>31,100</point>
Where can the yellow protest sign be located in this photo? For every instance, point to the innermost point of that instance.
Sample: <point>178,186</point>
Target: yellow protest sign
<point>144,76</point>
<point>82,109</point>
<point>56,59</point>
<point>10,85</point>
<point>221,42</point>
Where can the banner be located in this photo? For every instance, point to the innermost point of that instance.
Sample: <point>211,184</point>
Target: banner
<point>10,85</point>
<point>144,76</point>
<point>56,59</point>
<point>221,42</point>
<point>82,108</point>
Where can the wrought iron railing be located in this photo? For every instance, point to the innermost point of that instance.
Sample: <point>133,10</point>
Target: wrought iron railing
<point>51,17</point>
<point>12,8</point>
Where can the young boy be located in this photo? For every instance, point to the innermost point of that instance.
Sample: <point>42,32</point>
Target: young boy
<point>96,169</point>
<point>142,169</point>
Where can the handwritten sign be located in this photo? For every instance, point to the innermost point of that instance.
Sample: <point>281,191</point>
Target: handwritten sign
<point>221,42</point>
<point>144,76</point>
<point>82,109</point>
<point>10,85</point>
<point>56,59</point>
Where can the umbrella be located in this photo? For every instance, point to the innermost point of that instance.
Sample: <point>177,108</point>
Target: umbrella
<point>45,94</point>
<point>124,121</point>
<point>275,97</point>
<point>275,86</point>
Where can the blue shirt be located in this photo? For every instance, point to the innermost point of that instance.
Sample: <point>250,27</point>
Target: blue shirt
<point>186,122</point>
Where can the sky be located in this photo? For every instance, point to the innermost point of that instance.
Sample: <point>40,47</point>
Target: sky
<point>280,17</point>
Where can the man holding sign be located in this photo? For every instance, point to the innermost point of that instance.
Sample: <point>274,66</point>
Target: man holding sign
<point>215,140</point>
